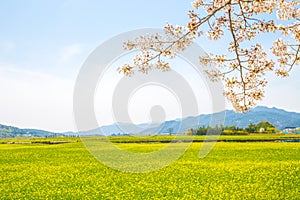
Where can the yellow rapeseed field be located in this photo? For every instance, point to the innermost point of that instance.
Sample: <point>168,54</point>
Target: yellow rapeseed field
<point>261,170</point>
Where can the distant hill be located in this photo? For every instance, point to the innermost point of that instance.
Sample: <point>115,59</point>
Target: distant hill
<point>278,117</point>
<point>11,131</point>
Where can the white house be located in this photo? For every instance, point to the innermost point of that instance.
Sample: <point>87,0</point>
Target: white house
<point>291,130</point>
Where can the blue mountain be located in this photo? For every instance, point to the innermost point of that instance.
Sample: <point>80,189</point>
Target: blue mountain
<point>278,117</point>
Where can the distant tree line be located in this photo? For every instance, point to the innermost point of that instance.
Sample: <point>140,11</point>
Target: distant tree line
<point>262,127</point>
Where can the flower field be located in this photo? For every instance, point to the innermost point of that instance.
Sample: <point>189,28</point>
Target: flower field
<point>258,170</point>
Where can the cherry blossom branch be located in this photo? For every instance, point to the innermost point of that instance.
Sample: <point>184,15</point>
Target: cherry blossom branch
<point>243,20</point>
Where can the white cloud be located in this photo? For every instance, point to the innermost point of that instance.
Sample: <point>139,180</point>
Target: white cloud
<point>147,97</point>
<point>7,46</point>
<point>35,100</point>
<point>284,92</point>
<point>68,52</point>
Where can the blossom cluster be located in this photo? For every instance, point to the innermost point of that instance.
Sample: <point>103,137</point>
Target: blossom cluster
<point>155,48</point>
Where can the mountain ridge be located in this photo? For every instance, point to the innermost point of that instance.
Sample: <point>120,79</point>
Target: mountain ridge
<point>280,118</point>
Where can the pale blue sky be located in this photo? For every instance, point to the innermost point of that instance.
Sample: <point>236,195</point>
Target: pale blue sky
<point>33,33</point>
<point>43,44</point>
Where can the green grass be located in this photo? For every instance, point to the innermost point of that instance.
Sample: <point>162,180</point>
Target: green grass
<point>160,138</point>
<point>37,140</point>
<point>231,171</point>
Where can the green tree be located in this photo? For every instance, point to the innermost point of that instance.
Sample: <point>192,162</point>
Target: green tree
<point>190,132</point>
<point>251,128</point>
<point>265,127</point>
